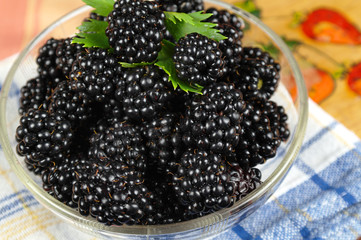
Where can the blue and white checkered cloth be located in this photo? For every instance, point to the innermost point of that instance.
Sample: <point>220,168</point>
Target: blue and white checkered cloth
<point>319,199</point>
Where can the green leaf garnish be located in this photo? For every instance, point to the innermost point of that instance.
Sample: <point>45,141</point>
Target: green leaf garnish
<point>165,62</point>
<point>133,65</point>
<point>178,16</point>
<point>181,24</point>
<point>92,34</point>
<point>101,7</point>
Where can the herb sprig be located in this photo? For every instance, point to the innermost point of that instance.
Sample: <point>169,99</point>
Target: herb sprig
<point>92,34</point>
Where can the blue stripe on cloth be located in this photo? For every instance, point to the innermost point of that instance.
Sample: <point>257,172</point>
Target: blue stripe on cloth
<point>347,197</point>
<point>8,197</point>
<point>241,232</point>
<point>305,232</point>
<point>15,203</point>
<point>319,181</point>
<point>17,210</point>
<point>321,206</point>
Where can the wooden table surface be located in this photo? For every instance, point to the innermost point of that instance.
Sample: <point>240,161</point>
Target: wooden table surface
<point>323,34</point>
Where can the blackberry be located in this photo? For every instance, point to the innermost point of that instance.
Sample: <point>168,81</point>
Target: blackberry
<point>278,119</point>
<point>120,142</point>
<point>73,105</point>
<point>59,178</point>
<point>113,109</point>
<point>198,59</point>
<point>258,54</point>
<point>36,91</point>
<point>264,127</point>
<point>147,93</point>
<point>96,73</point>
<point>202,182</point>
<point>47,60</point>
<point>213,120</point>
<point>258,74</point>
<point>186,6</point>
<point>113,193</point>
<point>245,181</point>
<point>43,138</point>
<point>167,209</point>
<point>66,53</point>
<point>135,31</point>
<point>231,49</point>
<point>34,94</point>
<point>163,141</point>
<point>221,17</point>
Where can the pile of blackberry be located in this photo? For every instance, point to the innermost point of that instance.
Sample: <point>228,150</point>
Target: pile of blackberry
<point>123,146</point>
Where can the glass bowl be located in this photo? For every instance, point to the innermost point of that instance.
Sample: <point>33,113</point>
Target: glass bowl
<point>291,94</point>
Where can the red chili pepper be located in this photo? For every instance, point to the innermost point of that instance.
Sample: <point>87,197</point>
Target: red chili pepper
<point>354,78</point>
<point>335,29</point>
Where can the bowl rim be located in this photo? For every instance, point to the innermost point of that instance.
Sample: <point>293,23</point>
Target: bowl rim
<point>68,213</point>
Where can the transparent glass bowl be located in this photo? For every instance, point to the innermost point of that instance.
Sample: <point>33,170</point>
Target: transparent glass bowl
<point>291,94</point>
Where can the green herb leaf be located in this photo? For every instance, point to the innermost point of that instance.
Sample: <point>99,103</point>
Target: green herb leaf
<point>178,16</point>
<point>165,62</point>
<point>181,24</point>
<point>133,65</point>
<point>102,7</point>
<point>92,34</point>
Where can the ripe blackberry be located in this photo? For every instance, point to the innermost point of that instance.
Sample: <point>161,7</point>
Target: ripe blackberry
<point>113,192</point>
<point>250,53</point>
<point>186,6</point>
<point>264,127</point>
<point>258,74</point>
<point>245,181</point>
<point>202,183</point>
<point>66,53</point>
<point>73,105</point>
<point>163,141</point>
<point>147,92</point>
<point>212,122</point>
<point>167,209</point>
<point>135,31</point>
<point>278,119</point>
<point>47,60</point>
<point>198,59</point>
<point>120,142</point>
<point>231,49</point>
<point>113,109</point>
<point>58,179</point>
<point>221,17</point>
<point>34,94</point>
<point>43,138</point>
<point>95,72</point>
<point>36,91</point>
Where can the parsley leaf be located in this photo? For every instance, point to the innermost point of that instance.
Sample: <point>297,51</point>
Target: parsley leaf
<point>133,65</point>
<point>165,62</point>
<point>102,7</point>
<point>92,34</point>
<point>181,24</point>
